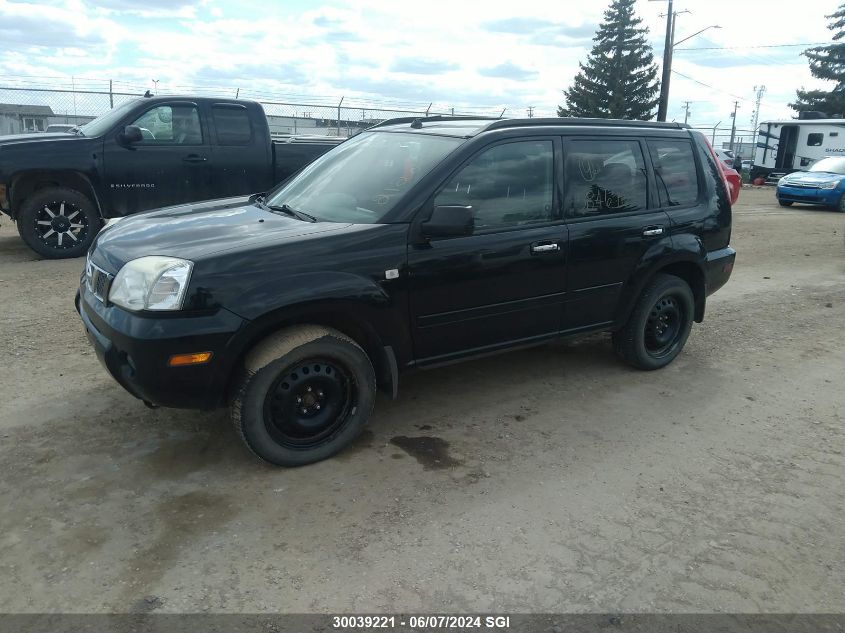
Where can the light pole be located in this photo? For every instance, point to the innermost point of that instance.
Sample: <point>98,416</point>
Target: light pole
<point>712,26</point>
<point>663,106</point>
<point>669,46</point>
<point>667,64</point>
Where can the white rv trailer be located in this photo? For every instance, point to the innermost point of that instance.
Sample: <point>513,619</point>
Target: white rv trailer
<point>795,144</point>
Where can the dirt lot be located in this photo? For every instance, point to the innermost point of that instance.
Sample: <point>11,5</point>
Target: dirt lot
<point>563,481</point>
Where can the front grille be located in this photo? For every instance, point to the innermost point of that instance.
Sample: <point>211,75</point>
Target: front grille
<point>800,185</point>
<point>99,281</point>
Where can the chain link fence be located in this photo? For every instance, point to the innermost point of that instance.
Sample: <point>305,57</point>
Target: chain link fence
<point>744,139</point>
<point>30,107</point>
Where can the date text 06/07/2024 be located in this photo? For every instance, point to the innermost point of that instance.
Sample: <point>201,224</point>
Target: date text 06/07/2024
<point>421,621</point>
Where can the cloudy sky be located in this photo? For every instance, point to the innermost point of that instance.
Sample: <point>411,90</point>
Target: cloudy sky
<point>488,55</point>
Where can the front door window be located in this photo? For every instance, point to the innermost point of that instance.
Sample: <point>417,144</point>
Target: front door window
<point>507,185</point>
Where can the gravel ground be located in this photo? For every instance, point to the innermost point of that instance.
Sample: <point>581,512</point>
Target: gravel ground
<point>554,479</point>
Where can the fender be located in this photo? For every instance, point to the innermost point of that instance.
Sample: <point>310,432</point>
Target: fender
<point>361,308</point>
<point>25,182</point>
<point>682,255</point>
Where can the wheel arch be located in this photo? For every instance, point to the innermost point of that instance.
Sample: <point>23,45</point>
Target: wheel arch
<point>27,183</point>
<point>344,317</point>
<point>689,270</point>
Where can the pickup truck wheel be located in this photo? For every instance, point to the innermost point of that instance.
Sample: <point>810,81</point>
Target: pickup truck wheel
<point>58,223</point>
<point>307,393</point>
<point>659,326</point>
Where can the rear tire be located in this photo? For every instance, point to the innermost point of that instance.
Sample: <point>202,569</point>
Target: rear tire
<point>785,203</point>
<point>58,222</point>
<point>659,325</point>
<point>307,393</point>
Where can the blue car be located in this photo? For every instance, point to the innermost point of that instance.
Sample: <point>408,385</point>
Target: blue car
<point>823,184</point>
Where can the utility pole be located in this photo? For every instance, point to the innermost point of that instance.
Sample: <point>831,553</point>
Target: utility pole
<point>755,119</point>
<point>530,112</point>
<point>686,111</point>
<point>733,125</point>
<point>663,105</point>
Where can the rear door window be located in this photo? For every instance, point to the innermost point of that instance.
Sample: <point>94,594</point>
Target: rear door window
<point>604,177</point>
<point>233,125</point>
<point>674,172</point>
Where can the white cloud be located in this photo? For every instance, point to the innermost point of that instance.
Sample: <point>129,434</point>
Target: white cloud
<point>451,53</point>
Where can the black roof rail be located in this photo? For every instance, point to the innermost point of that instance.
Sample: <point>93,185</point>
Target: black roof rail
<point>433,119</point>
<point>506,123</point>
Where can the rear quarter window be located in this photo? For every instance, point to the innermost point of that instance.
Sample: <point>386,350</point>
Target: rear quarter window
<point>233,125</point>
<point>674,171</point>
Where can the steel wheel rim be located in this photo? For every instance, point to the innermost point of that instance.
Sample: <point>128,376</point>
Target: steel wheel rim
<point>308,403</point>
<point>664,326</point>
<point>61,224</point>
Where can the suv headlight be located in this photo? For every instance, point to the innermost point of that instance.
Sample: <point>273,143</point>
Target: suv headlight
<point>829,185</point>
<point>151,283</point>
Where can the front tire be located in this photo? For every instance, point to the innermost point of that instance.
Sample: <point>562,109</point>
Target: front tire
<point>58,222</point>
<point>307,393</point>
<point>785,203</point>
<point>659,325</point>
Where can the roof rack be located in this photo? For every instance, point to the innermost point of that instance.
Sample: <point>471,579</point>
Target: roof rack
<point>433,119</point>
<point>506,123</point>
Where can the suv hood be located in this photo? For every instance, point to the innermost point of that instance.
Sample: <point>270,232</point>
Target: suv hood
<point>196,231</point>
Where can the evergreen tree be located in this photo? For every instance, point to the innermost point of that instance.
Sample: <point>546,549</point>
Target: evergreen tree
<point>619,79</point>
<point>826,62</point>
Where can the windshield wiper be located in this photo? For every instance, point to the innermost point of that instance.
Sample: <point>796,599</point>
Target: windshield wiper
<point>283,208</point>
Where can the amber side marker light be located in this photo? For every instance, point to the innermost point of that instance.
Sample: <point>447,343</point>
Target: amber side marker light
<point>181,360</point>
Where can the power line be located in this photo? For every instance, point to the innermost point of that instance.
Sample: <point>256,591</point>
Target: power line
<point>701,83</point>
<point>723,48</point>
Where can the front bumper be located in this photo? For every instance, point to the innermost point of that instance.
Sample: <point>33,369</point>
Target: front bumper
<point>135,349</point>
<point>809,195</point>
<point>718,268</point>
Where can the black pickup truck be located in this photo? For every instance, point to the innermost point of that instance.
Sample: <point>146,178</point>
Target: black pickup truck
<point>144,154</point>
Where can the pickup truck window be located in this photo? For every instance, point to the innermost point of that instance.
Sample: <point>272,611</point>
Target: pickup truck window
<point>506,185</point>
<point>361,180</point>
<point>602,177</point>
<point>232,124</point>
<point>170,125</point>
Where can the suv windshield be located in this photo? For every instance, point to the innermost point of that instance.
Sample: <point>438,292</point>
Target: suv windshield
<point>832,164</point>
<point>362,179</point>
<point>104,122</point>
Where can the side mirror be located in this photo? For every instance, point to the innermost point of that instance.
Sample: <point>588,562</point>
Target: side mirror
<point>449,221</point>
<point>131,134</point>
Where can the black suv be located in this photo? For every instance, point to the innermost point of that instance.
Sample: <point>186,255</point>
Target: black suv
<point>417,242</point>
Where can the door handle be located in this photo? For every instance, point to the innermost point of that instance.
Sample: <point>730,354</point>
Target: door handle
<point>652,231</point>
<point>545,248</point>
<point>194,158</point>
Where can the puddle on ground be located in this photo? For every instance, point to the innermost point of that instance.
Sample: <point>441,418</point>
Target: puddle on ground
<point>431,452</point>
